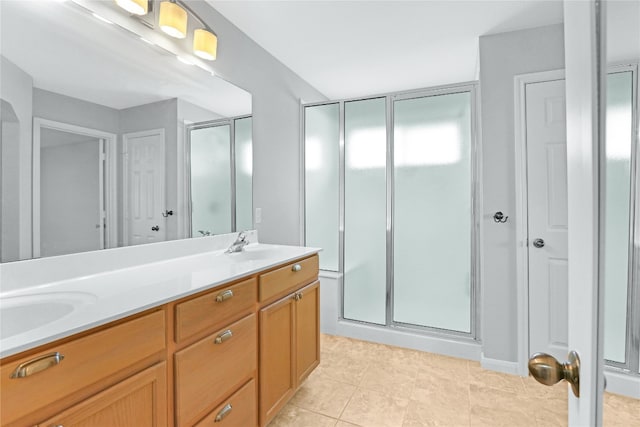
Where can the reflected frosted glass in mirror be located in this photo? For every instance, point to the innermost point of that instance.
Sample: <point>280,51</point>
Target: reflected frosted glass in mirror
<point>321,148</point>
<point>432,211</point>
<point>365,272</point>
<point>210,180</point>
<point>244,173</point>
<point>617,209</point>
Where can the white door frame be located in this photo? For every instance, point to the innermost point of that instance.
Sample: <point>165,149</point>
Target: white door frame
<point>522,209</point>
<point>125,175</point>
<point>585,70</point>
<point>110,182</point>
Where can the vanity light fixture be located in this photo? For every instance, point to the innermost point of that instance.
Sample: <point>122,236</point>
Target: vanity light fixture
<point>136,7</point>
<point>205,44</point>
<point>173,19</point>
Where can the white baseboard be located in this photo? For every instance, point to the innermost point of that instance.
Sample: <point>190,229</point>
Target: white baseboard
<point>624,384</point>
<point>503,366</point>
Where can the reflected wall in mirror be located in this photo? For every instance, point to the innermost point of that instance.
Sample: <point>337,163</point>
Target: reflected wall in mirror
<point>95,120</point>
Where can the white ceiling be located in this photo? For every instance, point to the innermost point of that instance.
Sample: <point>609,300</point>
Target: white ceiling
<point>68,51</point>
<point>353,48</point>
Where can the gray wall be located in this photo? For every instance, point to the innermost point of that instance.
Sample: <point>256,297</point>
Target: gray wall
<point>16,88</point>
<point>69,201</point>
<point>74,111</point>
<point>276,93</point>
<point>502,56</point>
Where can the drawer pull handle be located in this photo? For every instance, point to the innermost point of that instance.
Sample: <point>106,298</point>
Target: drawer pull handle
<point>223,413</point>
<point>36,365</point>
<point>298,296</point>
<point>296,267</point>
<point>223,296</point>
<point>223,336</point>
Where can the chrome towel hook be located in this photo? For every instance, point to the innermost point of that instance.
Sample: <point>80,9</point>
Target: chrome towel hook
<point>500,218</point>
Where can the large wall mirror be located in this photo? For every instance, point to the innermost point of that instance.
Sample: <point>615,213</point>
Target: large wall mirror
<point>108,139</point>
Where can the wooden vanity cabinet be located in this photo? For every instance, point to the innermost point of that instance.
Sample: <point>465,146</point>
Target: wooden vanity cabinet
<point>62,374</point>
<point>289,347</point>
<point>230,356</point>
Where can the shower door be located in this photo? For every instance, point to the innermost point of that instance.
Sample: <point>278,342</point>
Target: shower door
<point>432,211</point>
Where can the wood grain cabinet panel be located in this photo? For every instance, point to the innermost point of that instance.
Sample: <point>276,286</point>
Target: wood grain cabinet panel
<point>215,308</point>
<point>289,347</point>
<point>277,377</point>
<point>307,331</point>
<point>209,370</point>
<point>239,410</point>
<point>284,280</point>
<point>87,360</point>
<point>138,401</point>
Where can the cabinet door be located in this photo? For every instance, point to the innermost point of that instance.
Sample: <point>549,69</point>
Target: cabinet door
<point>277,377</point>
<point>140,401</point>
<point>307,326</point>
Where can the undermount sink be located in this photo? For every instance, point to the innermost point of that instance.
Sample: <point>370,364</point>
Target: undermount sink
<point>19,314</point>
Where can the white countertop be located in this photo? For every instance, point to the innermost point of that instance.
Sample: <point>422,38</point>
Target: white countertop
<point>60,309</point>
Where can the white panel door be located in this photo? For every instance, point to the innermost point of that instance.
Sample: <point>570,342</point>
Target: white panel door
<point>144,192</point>
<point>547,201</point>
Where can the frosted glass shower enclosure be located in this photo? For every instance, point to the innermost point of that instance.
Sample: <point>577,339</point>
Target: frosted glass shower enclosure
<point>401,168</point>
<point>220,169</point>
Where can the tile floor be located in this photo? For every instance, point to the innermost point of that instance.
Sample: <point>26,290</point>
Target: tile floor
<point>365,384</point>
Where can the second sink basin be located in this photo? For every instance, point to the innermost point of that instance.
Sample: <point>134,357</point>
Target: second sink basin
<point>19,314</point>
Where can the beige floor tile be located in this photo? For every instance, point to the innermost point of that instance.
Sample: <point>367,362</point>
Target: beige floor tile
<point>445,391</point>
<point>445,362</point>
<point>348,369</point>
<point>621,411</point>
<point>394,382</point>
<point>373,409</point>
<point>434,414</point>
<point>446,394</point>
<point>428,375</point>
<point>323,395</point>
<point>292,416</point>
<point>534,389</point>
<point>489,397</point>
<point>483,377</point>
<point>480,416</point>
<point>363,350</point>
<point>328,342</point>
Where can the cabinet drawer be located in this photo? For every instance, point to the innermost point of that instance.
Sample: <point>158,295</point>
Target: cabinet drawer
<point>215,308</point>
<point>239,410</point>
<point>284,279</point>
<point>87,360</point>
<point>210,369</point>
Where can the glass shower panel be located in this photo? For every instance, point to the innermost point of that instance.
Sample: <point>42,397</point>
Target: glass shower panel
<point>617,208</point>
<point>244,173</point>
<point>432,212</point>
<point>365,271</point>
<point>322,156</point>
<point>211,180</point>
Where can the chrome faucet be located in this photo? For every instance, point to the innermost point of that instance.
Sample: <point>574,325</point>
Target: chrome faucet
<point>239,244</point>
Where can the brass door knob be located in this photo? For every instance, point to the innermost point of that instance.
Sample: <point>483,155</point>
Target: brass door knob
<point>548,371</point>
